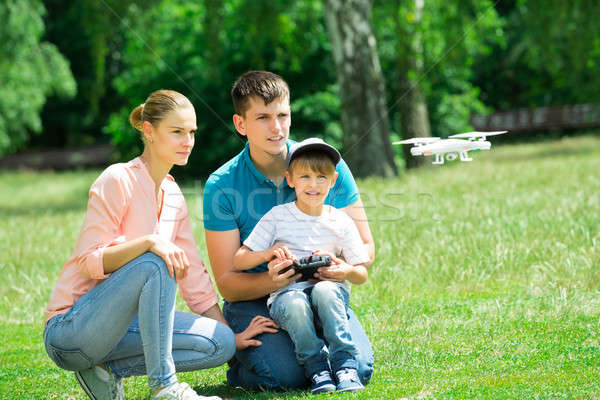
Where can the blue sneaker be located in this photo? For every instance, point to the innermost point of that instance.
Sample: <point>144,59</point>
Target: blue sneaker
<point>347,380</point>
<point>322,383</point>
<point>100,384</point>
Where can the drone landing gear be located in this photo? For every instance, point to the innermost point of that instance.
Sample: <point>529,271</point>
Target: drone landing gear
<point>464,156</point>
<point>439,159</point>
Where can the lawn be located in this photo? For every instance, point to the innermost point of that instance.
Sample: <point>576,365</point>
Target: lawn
<point>485,284</point>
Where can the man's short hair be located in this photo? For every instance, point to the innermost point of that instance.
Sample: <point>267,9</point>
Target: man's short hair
<point>263,84</point>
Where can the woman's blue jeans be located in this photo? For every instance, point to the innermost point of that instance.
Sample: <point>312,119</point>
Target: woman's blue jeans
<point>302,313</point>
<point>273,365</point>
<point>129,323</point>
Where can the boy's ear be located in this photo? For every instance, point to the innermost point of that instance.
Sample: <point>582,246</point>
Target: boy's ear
<point>240,124</point>
<point>335,176</point>
<point>288,178</point>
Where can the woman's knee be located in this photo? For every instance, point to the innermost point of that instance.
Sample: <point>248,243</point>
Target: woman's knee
<point>151,264</point>
<point>225,343</point>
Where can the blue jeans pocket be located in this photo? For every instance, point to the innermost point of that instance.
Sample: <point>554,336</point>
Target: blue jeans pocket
<point>72,360</point>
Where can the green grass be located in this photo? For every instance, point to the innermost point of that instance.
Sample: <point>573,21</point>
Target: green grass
<point>485,284</point>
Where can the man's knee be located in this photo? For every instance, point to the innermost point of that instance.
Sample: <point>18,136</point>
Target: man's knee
<point>365,370</point>
<point>258,372</point>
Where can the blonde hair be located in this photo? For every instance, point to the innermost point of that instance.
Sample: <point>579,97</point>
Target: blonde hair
<point>156,108</point>
<point>317,161</point>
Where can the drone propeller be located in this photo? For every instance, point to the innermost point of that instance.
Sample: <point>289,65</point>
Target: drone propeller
<point>418,141</point>
<point>476,134</point>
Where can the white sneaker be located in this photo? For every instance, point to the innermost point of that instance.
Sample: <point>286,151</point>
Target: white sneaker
<point>181,391</point>
<point>100,384</point>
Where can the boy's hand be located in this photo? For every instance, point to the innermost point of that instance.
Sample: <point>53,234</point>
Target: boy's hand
<point>279,251</point>
<point>336,272</point>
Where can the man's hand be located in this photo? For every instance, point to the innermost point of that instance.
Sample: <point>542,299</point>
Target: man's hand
<point>282,280</point>
<point>258,325</point>
<point>175,258</point>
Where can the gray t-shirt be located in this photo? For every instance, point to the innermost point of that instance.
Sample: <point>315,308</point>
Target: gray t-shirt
<point>333,231</point>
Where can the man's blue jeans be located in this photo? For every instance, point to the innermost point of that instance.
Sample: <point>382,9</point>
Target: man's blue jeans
<point>301,312</point>
<point>128,322</point>
<point>273,365</point>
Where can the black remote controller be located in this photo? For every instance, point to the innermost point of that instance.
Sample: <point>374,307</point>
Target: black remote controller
<point>307,266</point>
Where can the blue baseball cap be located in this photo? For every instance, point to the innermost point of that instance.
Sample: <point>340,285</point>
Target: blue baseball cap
<point>313,144</point>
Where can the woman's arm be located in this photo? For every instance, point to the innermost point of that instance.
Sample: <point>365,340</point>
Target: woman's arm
<point>114,257</point>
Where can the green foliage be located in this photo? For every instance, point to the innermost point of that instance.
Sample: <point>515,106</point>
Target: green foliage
<point>485,284</point>
<point>287,38</point>
<point>550,55</point>
<point>31,69</point>
<point>453,35</point>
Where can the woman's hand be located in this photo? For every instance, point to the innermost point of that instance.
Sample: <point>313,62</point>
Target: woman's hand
<point>175,258</point>
<point>258,325</point>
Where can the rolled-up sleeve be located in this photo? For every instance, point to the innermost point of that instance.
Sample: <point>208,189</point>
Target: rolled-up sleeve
<point>107,204</point>
<point>196,288</point>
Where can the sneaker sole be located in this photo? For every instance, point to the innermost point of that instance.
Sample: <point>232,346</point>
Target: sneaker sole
<point>84,386</point>
<point>351,389</point>
<point>324,389</point>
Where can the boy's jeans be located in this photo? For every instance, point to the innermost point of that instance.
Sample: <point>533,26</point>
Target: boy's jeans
<point>326,305</point>
<point>135,305</point>
<point>274,363</point>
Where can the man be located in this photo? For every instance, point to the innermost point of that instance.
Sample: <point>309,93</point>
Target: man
<point>236,196</point>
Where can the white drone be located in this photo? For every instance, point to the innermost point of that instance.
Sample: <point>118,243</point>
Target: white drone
<point>450,148</point>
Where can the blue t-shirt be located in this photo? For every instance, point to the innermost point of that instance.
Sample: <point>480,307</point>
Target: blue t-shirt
<point>237,195</point>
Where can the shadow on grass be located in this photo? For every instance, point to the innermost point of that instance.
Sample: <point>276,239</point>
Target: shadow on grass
<point>226,391</point>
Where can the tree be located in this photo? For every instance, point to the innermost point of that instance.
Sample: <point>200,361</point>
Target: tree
<point>433,47</point>
<point>413,115</point>
<point>202,60</point>
<point>366,141</point>
<point>32,70</point>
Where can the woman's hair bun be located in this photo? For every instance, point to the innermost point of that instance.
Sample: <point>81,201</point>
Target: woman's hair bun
<point>135,118</point>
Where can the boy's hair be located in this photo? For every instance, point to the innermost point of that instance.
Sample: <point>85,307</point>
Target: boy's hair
<point>315,160</point>
<point>263,84</point>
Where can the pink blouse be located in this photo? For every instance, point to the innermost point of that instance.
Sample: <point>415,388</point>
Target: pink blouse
<point>122,207</point>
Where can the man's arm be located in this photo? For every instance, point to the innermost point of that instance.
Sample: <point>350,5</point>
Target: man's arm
<point>356,211</point>
<point>234,286</point>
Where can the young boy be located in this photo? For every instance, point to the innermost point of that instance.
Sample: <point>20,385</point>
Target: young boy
<point>309,227</point>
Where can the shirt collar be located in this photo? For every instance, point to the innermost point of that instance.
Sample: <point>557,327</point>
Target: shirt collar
<point>250,164</point>
<point>137,163</point>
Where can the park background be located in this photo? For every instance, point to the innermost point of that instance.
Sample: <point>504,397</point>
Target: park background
<point>486,278</point>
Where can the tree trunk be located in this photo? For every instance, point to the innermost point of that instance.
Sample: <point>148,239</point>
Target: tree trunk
<point>413,115</point>
<point>364,117</point>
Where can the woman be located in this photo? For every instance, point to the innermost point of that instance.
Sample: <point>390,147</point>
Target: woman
<point>111,314</point>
